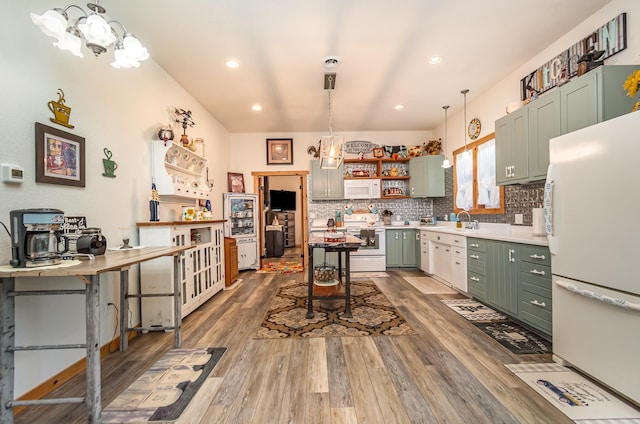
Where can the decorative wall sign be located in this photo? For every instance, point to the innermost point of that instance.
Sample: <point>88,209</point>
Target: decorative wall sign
<point>61,112</point>
<point>109,165</point>
<point>279,151</point>
<point>610,38</point>
<point>357,147</point>
<point>59,157</point>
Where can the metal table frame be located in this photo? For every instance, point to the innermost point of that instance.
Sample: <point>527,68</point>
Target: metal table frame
<point>88,272</point>
<point>350,244</point>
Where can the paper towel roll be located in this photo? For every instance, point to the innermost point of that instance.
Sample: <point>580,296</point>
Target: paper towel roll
<point>538,222</point>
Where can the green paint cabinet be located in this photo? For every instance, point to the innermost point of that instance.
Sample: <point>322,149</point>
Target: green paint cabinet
<point>534,285</point>
<point>427,176</point>
<point>502,276</point>
<point>512,145</point>
<point>477,268</point>
<point>326,184</point>
<point>401,247</point>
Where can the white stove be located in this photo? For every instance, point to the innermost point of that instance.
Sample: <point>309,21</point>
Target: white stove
<point>371,256</point>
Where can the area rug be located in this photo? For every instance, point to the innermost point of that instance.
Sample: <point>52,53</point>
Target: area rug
<point>578,398</point>
<point>515,337</point>
<point>165,391</point>
<point>473,311</point>
<point>368,274</point>
<point>428,285</point>
<point>280,268</point>
<point>373,314</point>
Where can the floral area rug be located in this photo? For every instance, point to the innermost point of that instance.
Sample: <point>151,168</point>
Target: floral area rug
<point>373,314</point>
<point>280,268</point>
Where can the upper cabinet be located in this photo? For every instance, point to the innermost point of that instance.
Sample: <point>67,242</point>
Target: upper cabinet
<point>522,137</point>
<point>427,176</point>
<point>178,171</point>
<point>326,184</point>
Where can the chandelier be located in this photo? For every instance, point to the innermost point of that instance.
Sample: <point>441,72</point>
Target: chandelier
<point>331,147</point>
<point>92,28</point>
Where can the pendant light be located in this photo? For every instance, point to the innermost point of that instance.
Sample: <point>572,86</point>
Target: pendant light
<point>445,163</point>
<point>465,154</point>
<point>331,147</point>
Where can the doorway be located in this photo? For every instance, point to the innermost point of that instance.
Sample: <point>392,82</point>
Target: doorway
<point>294,181</point>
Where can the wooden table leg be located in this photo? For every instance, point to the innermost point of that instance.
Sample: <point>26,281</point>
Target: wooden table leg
<point>310,285</point>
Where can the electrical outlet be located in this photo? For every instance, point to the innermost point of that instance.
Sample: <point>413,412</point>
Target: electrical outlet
<point>519,218</point>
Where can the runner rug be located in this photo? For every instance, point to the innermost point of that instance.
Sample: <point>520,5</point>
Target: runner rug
<point>428,285</point>
<point>169,391</point>
<point>578,398</point>
<point>373,314</point>
<point>473,311</point>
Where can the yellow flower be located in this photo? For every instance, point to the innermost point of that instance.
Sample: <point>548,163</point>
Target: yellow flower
<point>632,83</point>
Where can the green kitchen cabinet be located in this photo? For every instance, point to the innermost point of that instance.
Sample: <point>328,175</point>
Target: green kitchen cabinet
<point>544,124</point>
<point>534,287</point>
<point>477,268</point>
<point>502,276</point>
<point>427,176</point>
<point>595,97</point>
<point>326,184</point>
<point>512,147</point>
<point>401,248</point>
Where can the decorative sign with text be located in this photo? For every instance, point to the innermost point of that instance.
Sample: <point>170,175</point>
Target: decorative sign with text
<point>611,38</point>
<point>357,146</point>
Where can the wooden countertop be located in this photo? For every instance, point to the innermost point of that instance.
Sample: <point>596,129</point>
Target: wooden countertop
<point>113,260</point>
<point>167,223</point>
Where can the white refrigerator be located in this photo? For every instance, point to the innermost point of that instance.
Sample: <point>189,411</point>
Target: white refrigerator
<point>592,205</point>
<point>241,222</point>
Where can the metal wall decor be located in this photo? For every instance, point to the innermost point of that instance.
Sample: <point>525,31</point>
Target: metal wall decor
<point>110,166</point>
<point>61,112</point>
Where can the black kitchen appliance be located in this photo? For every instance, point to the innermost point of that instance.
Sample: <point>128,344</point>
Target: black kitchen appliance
<point>36,238</point>
<point>92,241</point>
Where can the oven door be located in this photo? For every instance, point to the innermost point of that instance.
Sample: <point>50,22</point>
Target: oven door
<point>372,241</point>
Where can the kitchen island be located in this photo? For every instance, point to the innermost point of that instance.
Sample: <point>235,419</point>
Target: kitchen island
<point>345,244</point>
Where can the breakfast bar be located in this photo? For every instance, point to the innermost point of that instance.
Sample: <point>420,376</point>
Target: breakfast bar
<point>346,243</point>
<point>89,273</point>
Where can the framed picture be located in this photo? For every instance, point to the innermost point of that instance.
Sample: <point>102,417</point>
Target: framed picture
<point>279,151</point>
<point>59,157</point>
<point>378,152</point>
<point>236,182</point>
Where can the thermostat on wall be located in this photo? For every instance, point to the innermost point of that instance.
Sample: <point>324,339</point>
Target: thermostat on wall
<point>12,173</point>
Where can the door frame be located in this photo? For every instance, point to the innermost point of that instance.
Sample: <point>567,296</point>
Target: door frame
<point>258,186</point>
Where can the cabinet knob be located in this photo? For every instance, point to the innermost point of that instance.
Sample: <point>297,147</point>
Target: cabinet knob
<point>474,256</point>
<point>538,304</point>
<point>536,272</point>
<point>534,256</point>
<point>476,279</point>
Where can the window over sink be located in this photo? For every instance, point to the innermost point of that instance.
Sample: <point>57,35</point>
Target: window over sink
<point>474,179</point>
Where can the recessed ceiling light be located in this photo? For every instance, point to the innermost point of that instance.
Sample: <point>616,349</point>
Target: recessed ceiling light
<point>232,64</point>
<point>398,107</point>
<point>257,108</point>
<point>435,59</point>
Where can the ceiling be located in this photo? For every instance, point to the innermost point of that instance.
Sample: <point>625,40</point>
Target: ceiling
<point>384,47</point>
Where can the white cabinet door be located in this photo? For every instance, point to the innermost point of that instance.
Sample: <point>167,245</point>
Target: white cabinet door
<point>247,255</point>
<point>425,257</point>
<point>442,261</point>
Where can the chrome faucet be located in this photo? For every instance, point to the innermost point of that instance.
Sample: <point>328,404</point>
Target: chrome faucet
<point>469,225</point>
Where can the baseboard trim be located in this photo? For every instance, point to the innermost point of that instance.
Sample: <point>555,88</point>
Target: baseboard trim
<point>67,374</point>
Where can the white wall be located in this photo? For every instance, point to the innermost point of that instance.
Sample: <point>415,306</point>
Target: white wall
<point>491,105</point>
<point>248,150</point>
<point>116,109</point>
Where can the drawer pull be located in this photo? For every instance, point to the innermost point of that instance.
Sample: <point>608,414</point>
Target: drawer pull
<point>475,245</point>
<point>538,304</point>
<point>476,279</point>
<point>536,272</point>
<point>474,256</point>
<point>534,256</point>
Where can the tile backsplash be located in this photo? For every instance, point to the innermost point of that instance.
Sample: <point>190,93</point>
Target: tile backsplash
<point>519,199</point>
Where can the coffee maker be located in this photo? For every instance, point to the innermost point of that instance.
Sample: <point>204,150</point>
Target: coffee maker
<point>36,239</point>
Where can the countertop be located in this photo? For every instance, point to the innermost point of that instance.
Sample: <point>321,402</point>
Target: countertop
<point>502,232</point>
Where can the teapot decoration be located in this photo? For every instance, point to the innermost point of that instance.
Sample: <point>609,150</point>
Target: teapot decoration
<point>393,172</point>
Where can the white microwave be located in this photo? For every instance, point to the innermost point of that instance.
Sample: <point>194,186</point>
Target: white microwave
<point>362,189</point>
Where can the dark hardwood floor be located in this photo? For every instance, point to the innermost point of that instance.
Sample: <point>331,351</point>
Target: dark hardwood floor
<point>450,372</point>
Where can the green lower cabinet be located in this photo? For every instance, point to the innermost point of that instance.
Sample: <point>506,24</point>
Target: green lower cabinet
<point>502,276</point>
<point>401,248</point>
<point>534,285</point>
<point>477,268</point>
